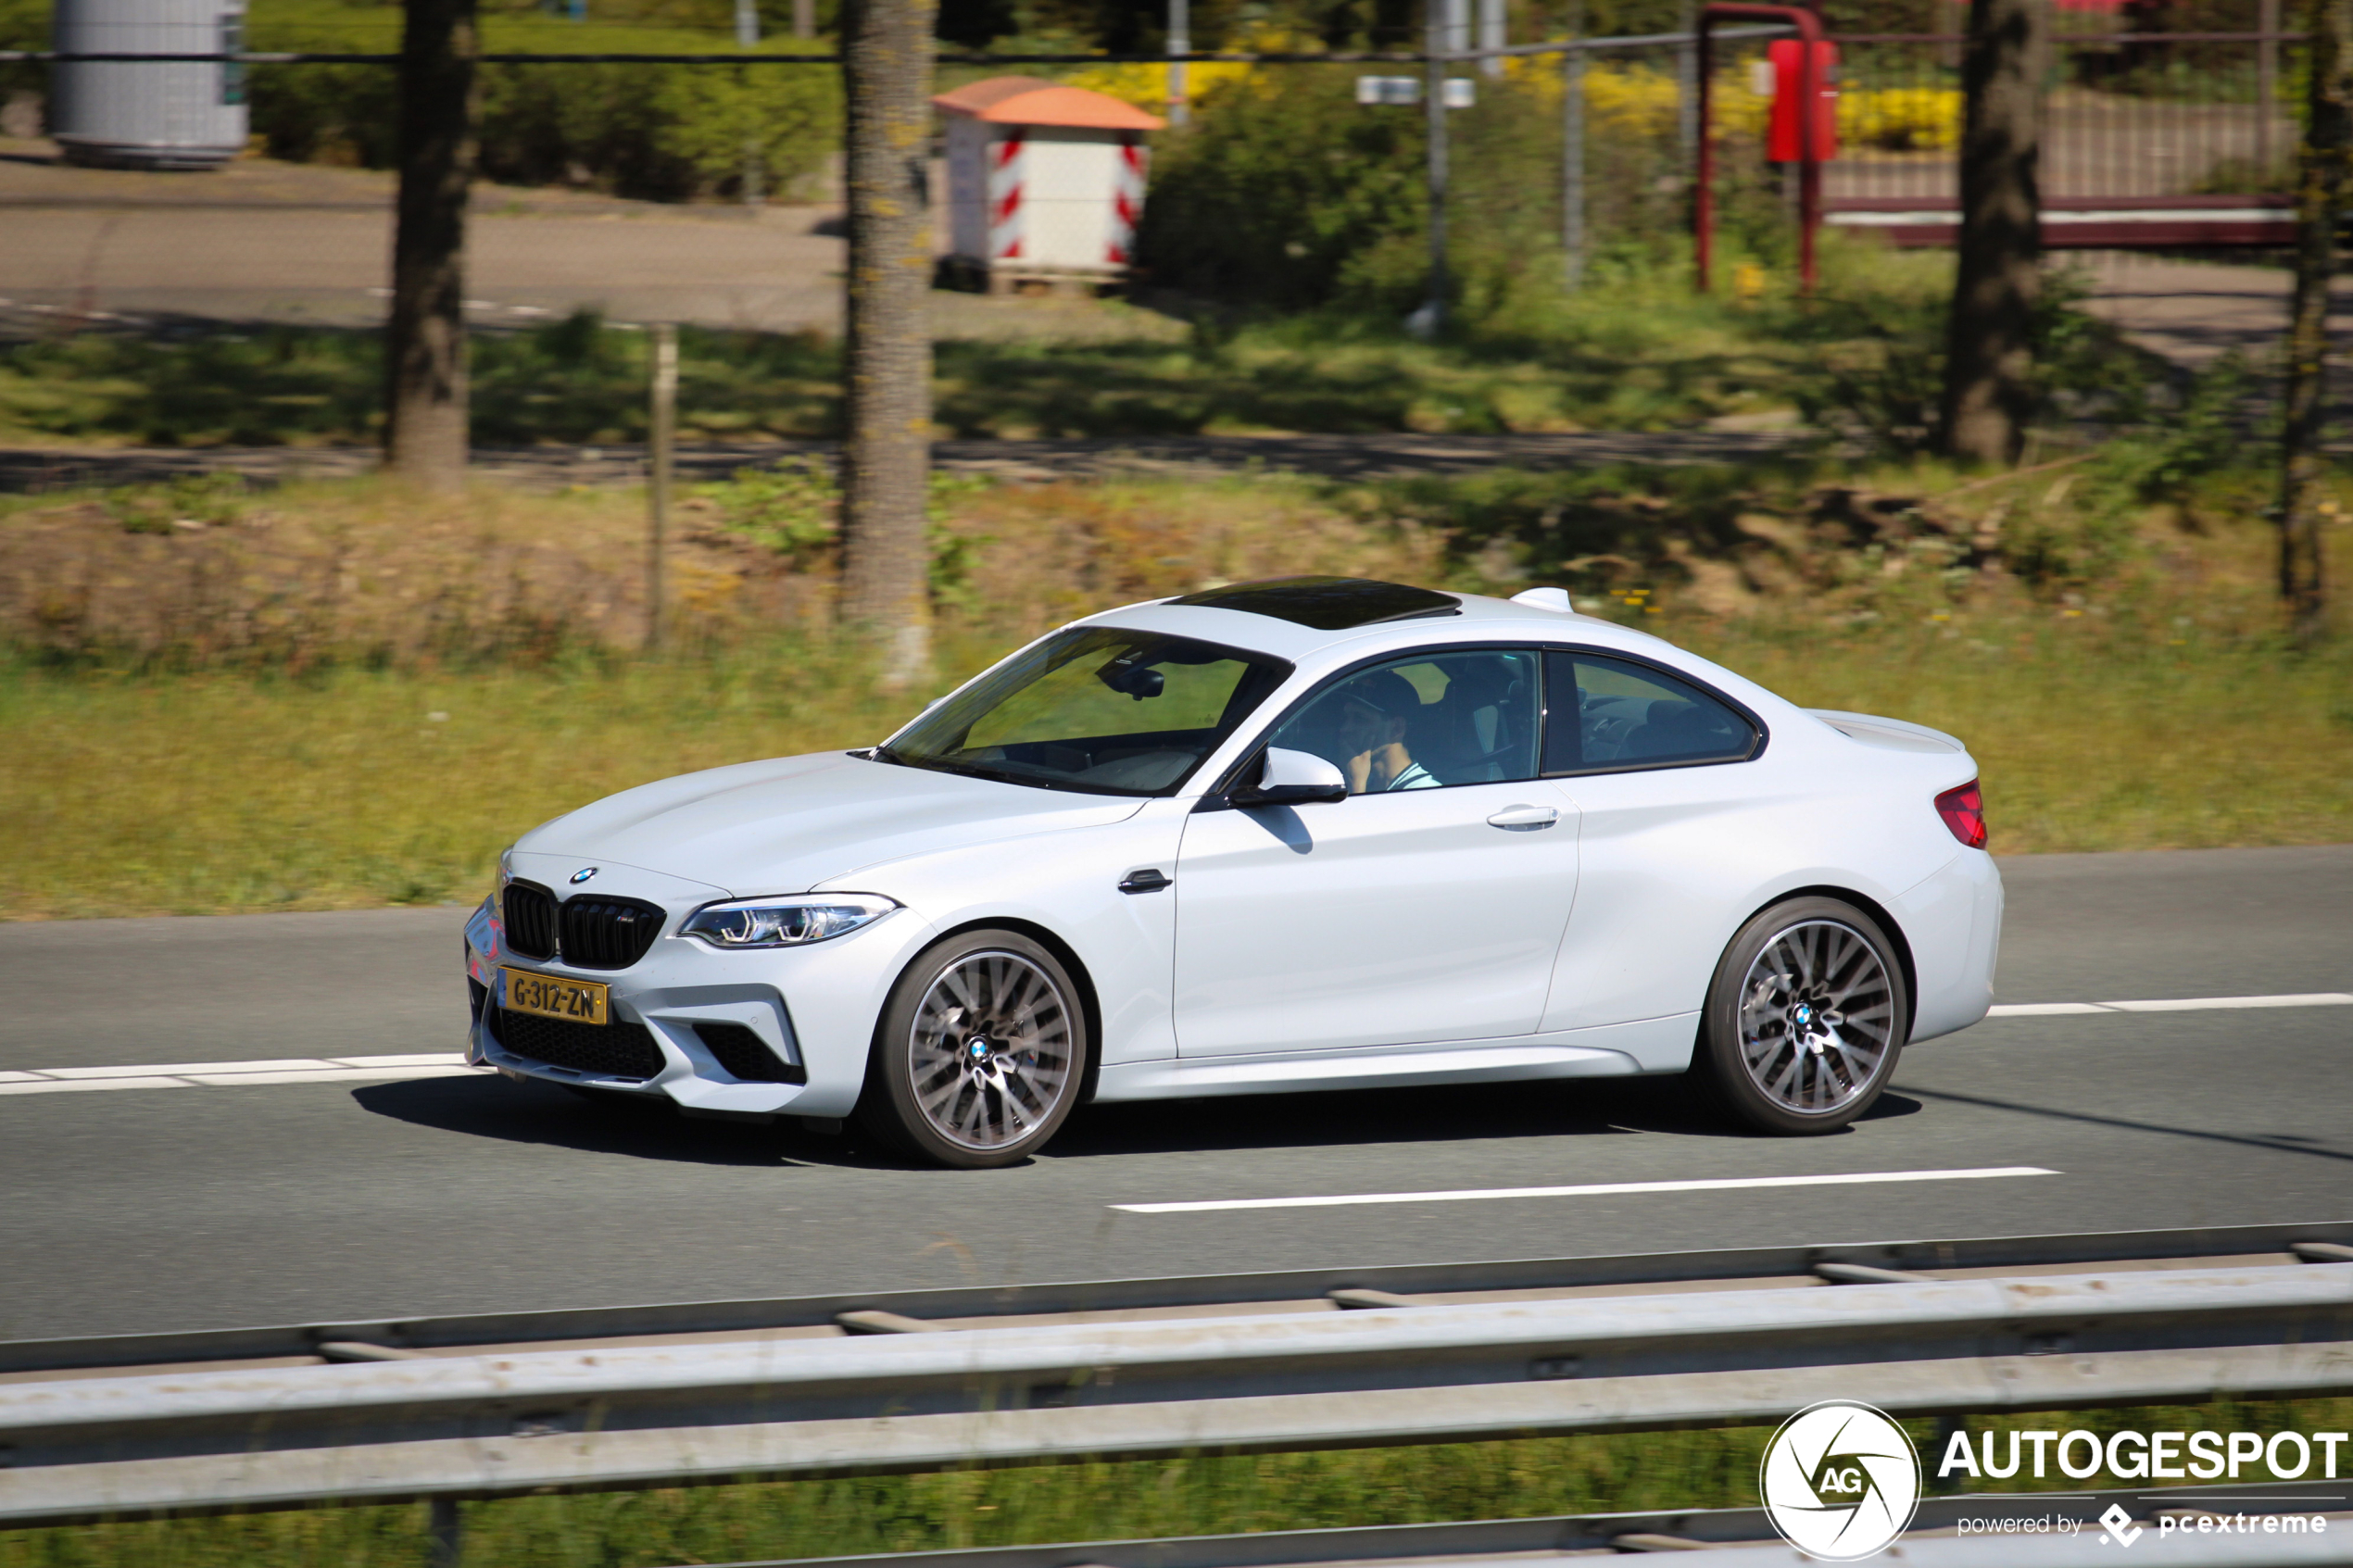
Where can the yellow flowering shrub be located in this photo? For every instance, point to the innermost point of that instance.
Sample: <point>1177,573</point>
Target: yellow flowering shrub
<point>1639,100</point>
<point>1145,83</point>
<point>1632,100</point>
<point>1901,119</point>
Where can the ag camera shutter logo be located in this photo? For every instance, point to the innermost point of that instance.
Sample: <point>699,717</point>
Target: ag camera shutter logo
<point>1839,1480</point>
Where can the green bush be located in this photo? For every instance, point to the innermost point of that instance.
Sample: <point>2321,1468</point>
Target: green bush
<point>665,132</point>
<point>24,24</point>
<point>1285,193</point>
<point>1288,198</point>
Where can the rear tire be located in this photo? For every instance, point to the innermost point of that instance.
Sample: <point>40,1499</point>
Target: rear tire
<point>980,1053</point>
<point>1805,1021</point>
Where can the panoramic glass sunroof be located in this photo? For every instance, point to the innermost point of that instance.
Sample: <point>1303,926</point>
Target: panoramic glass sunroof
<point>1328,604</point>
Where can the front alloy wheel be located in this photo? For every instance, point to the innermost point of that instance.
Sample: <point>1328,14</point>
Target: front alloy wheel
<point>980,1053</point>
<point>1805,1018</point>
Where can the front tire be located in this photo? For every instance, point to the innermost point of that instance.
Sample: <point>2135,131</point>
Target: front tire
<point>980,1053</point>
<point>1805,1020</point>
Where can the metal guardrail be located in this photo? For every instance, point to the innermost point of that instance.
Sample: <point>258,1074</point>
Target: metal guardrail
<point>607,1418</point>
<point>1005,1302</point>
<point>1488,1539</point>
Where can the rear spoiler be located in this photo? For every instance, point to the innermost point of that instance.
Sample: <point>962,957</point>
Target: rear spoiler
<point>1849,722</point>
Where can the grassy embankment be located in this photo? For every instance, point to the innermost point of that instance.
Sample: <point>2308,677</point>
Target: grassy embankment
<point>325,697</point>
<point>1195,1495</point>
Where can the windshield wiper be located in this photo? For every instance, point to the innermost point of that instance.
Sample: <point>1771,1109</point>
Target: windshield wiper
<point>936,765</point>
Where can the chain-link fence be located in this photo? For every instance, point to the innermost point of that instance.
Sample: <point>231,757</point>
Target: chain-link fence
<point>2128,114</point>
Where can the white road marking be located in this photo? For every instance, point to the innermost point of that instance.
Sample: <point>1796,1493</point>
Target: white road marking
<point>2191,1004</point>
<point>239,1074</point>
<point>2181,1004</point>
<point>450,1064</point>
<point>40,1088</point>
<point>1601,1189</point>
<point>2041,1009</point>
<point>331,1076</point>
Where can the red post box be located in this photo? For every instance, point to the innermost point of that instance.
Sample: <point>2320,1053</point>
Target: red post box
<point>1782,139</point>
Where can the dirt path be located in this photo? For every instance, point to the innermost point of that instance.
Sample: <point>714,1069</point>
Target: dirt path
<point>257,241</point>
<point>1338,457</point>
<point>2193,313</point>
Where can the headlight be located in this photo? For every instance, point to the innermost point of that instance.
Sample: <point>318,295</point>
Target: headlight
<point>785,922</point>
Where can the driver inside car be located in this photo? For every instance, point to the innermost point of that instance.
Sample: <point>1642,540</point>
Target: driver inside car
<point>1376,715</point>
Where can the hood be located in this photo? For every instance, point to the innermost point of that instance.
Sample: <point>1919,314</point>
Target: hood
<point>793,823</point>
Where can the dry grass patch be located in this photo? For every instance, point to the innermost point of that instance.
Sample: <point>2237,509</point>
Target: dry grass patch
<point>210,574</point>
<point>329,697</point>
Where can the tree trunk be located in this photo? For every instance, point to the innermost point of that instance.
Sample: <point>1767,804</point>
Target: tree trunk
<point>2328,141</point>
<point>425,426</point>
<point>887,50</point>
<point>1989,352</point>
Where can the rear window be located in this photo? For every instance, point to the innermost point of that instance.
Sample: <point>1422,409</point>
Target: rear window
<point>1609,715</point>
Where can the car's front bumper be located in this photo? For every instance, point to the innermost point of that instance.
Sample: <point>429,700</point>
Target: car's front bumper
<point>812,1008</point>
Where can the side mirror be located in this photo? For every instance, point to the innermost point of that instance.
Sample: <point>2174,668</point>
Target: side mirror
<point>1292,778</point>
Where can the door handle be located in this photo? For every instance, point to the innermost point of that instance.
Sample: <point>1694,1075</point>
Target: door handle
<point>1524,819</point>
<point>1144,881</point>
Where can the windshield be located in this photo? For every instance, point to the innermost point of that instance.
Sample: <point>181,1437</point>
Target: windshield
<point>1095,709</point>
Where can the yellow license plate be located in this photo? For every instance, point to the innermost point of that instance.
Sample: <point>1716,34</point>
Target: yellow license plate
<point>580,1001</point>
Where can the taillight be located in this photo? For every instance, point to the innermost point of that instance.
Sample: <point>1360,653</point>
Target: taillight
<point>1964,812</point>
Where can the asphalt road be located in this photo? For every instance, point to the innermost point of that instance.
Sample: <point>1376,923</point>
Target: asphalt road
<point>182,1209</point>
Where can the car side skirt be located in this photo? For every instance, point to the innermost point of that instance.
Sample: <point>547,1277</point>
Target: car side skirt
<point>1611,1051</point>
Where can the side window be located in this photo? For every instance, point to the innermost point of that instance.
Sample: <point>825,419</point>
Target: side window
<point>1424,722</point>
<point>1609,714</point>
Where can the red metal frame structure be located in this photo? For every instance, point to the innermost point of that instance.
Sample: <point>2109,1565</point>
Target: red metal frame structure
<point>1809,163</point>
<point>2195,222</point>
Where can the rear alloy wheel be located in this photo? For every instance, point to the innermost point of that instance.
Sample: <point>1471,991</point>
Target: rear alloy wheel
<point>1805,1020</point>
<point>980,1054</point>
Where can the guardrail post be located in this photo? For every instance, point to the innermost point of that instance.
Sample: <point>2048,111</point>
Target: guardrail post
<point>445,1531</point>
